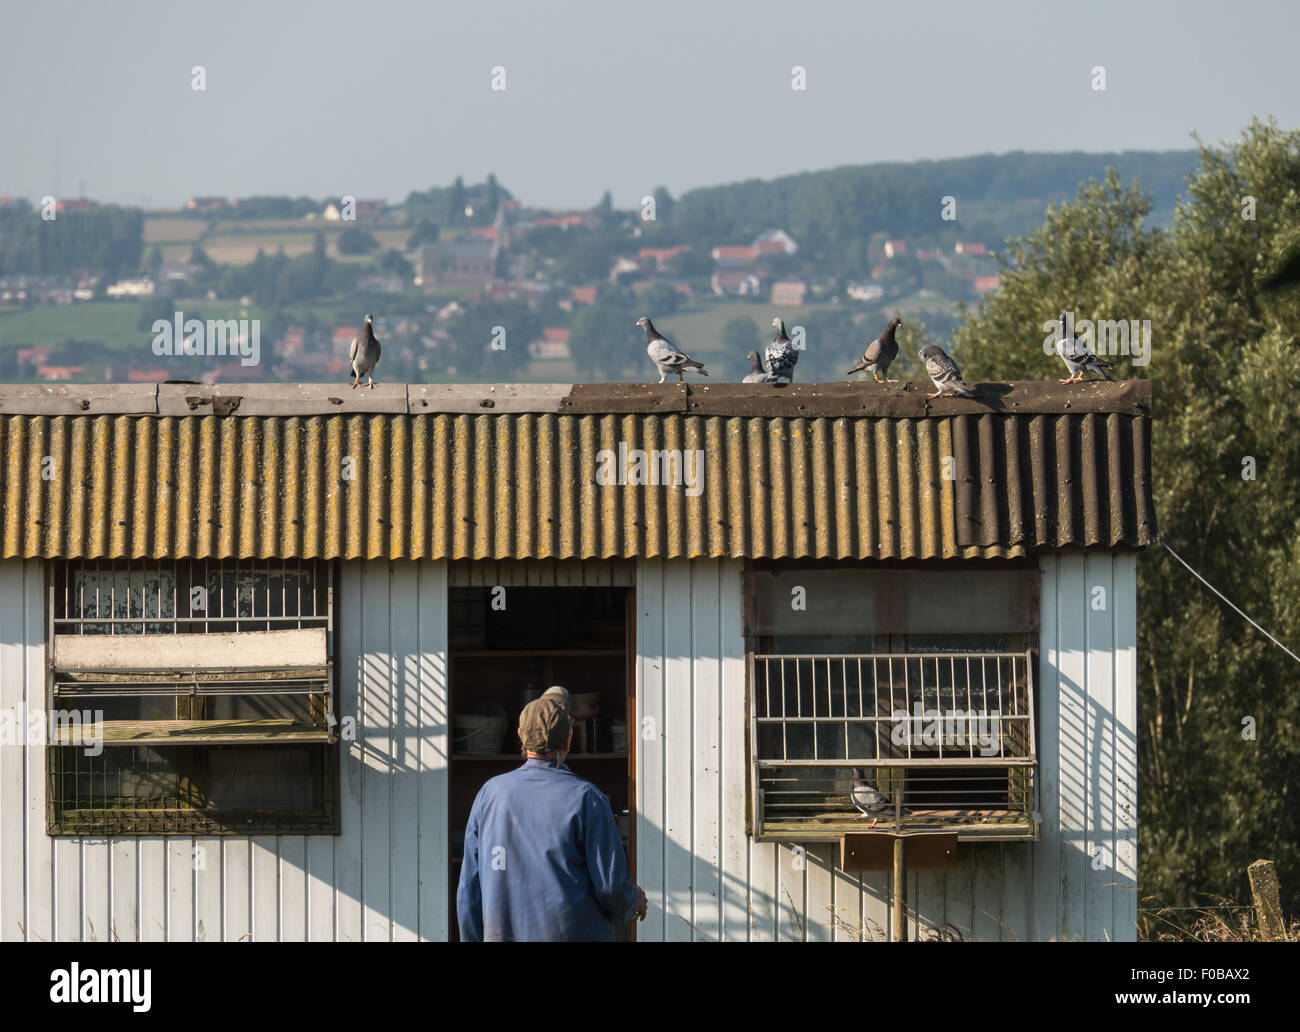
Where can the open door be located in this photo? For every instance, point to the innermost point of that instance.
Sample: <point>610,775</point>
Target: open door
<point>506,646</point>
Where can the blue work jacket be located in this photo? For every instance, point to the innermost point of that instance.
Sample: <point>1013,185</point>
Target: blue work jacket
<point>543,861</point>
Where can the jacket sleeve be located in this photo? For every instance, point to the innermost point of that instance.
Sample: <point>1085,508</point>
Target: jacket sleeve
<point>606,862</point>
<point>469,893</point>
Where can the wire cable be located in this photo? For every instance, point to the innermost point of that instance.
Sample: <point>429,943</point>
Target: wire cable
<point>1231,603</point>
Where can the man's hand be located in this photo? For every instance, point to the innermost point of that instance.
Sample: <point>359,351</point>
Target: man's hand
<point>640,907</point>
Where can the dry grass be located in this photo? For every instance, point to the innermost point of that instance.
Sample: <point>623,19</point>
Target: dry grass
<point>1220,921</point>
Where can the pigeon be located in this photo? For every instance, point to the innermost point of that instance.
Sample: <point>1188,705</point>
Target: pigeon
<point>1078,357</point>
<point>781,353</point>
<point>757,374</point>
<point>867,797</point>
<point>364,355</point>
<point>665,354</point>
<point>943,372</point>
<point>879,354</point>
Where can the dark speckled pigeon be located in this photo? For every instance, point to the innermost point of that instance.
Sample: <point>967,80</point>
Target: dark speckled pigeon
<point>943,372</point>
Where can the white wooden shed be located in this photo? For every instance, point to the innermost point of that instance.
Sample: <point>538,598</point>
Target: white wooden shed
<point>308,786</point>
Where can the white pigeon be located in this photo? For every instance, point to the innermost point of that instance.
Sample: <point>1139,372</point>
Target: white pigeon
<point>667,357</point>
<point>943,372</point>
<point>364,355</point>
<point>1078,357</point>
<point>867,797</point>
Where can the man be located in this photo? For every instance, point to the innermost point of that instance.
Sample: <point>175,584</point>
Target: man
<point>543,859</point>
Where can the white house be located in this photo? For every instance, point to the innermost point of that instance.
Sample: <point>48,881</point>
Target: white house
<point>260,645</point>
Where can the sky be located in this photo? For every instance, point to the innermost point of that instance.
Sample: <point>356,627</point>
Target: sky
<point>378,98</point>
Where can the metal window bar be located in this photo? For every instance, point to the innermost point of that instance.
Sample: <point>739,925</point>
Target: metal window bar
<point>112,606</point>
<point>936,763</point>
<point>275,705</point>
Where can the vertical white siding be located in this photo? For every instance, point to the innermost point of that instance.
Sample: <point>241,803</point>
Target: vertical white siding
<point>383,878</point>
<point>706,880</point>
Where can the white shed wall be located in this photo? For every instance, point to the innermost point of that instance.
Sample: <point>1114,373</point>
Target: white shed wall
<point>706,880</point>
<point>385,877</point>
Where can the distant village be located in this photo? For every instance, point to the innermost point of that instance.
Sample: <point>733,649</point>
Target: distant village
<point>496,262</point>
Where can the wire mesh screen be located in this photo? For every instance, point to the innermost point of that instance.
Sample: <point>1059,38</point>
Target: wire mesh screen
<point>185,744</point>
<point>189,596</point>
<point>214,790</point>
<point>903,740</point>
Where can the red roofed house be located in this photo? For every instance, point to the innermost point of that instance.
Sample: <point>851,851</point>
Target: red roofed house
<point>789,292</point>
<point>553,343</point>
<point>985,284</point>
<point>36,354</point>
<point>733,281</point>
<point>59,372</point>
<point>584,295</point>
<point>205,203</point>
<point>77,205</point>
<point>962,248</point>
<point>732,255</point>
<point>343,338</point>
<point>147,375</point>
<point>893,248</point>
<point>660,255</point>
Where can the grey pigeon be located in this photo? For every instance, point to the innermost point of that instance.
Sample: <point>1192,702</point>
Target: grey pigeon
<point>1078,357</point>
<point>867,797</point>
<point>364,355</point>
<point>781,354</point>
<point>757,374</point>
<point>665,354</point>
<point>943,372</point>
<point>879,354</point>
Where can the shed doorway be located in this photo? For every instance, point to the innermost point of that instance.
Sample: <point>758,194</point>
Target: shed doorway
<point>507,645</point>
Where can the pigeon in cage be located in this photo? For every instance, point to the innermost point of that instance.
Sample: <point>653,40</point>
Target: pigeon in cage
<point>867,797</point>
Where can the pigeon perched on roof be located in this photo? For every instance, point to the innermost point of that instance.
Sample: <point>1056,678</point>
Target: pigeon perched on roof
<point>867,797</point>
<point>879,354</point>
<point>943,372</point>
<point>781,353</point>
<point>364,355</point>
<point>1078,357</point>
<point>665,354</point>
<point>757,374</point>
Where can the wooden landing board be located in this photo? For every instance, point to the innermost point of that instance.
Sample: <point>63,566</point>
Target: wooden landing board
<point>188,732</point>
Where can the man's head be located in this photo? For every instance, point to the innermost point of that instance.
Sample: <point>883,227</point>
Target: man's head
<point>545,724</point>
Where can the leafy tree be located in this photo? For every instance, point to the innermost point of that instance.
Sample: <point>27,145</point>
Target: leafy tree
<point>605,341</point>
<point>394,263</point>
<point>355,240</point>
<point>659,299</point>
<point>740,337</point>
<point>1225,362</point>
<point>425,232</point>
<point>490,340</point>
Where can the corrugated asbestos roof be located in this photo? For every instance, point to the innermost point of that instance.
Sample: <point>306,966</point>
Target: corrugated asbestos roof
<point>848,471</point>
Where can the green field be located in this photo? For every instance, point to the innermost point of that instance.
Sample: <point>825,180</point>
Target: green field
<point>110,322</point>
